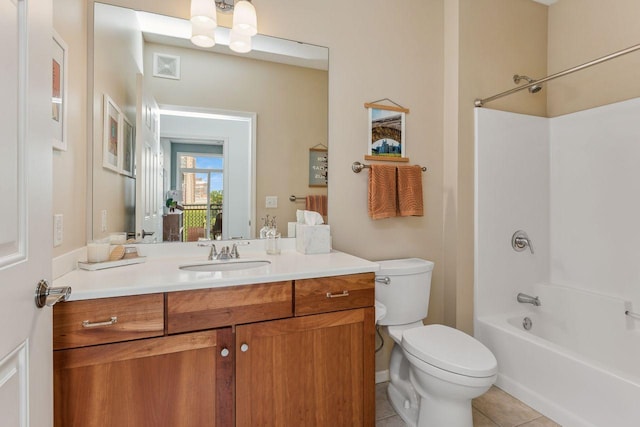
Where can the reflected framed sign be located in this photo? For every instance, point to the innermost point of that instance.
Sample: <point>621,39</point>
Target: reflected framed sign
<point>59,93</point>
<point>112,145</point>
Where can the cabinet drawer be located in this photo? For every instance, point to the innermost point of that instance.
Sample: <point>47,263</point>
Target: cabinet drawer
<point>213,308</point>
<point>335,293</point>
<point>107,320</point>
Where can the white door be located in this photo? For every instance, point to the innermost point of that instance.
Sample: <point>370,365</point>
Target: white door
<point>26,375</point>
<point>149,181</point>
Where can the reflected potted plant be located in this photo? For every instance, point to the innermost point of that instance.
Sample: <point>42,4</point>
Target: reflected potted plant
<point>171,204</point>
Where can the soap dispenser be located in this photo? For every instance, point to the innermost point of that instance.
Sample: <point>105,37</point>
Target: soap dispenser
<point>265,227</point>
<point>272,245</point>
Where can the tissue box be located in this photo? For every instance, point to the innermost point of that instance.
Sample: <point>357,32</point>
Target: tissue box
<point>313,239</point>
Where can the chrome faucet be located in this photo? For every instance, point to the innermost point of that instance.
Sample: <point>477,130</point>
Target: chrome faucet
<point>224,254</point>
<point>528,299</point>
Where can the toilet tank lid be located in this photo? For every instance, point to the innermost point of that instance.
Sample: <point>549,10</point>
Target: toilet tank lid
<point>404,266</point>
<point>450,349</point>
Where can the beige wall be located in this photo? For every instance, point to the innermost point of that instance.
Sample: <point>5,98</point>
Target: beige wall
<point>495,40</point>
<point>583,30</point>
<point>70,167</point>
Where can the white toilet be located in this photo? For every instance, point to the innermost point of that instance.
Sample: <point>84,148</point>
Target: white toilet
<point>435,370</point>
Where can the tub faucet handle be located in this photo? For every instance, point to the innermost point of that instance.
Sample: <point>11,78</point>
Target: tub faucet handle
<point>520,241</point>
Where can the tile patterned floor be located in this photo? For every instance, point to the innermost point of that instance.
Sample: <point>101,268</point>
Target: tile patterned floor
<point>493,409</point>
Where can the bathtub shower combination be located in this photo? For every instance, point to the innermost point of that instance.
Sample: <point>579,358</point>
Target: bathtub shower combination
<point>572,184</point>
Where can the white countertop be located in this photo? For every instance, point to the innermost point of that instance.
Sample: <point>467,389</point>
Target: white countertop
<point>161,272</point>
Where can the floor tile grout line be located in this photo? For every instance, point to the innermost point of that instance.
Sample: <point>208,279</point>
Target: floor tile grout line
<point>488,417</point>
<point>531,420</point>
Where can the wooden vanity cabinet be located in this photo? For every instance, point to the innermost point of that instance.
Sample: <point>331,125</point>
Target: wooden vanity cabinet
<point>286,354</point>
<point>181,380</point>
<point>307,371</point>
<point>315,369</point>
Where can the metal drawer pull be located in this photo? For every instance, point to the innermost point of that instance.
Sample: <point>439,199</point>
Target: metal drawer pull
<point>112,321</point>
<point>386,280</point>
<point>344,293</point>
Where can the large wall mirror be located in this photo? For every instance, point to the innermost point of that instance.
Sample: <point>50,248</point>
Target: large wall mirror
<point>191,142</point>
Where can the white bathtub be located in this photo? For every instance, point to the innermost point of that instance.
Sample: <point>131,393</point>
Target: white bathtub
<point>579,364</point>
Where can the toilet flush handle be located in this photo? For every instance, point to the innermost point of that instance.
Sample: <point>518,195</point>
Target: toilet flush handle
<point>385,280</point>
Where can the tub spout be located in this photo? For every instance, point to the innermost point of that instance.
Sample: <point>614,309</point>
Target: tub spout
<point>528,299</point>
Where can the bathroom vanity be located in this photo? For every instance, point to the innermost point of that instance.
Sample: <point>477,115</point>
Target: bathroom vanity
<point>288,344</point>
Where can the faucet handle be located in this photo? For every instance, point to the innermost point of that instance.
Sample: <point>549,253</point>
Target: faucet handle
<point>213,253</point>
<point>520,241</point>
<point>234,251</point>
<point>202,241</point>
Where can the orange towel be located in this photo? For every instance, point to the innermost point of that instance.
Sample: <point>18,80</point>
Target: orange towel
<point>317,204</point>
<point>410,191</point>
<point>382,191</point>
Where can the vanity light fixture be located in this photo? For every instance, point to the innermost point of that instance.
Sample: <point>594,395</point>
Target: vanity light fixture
<point>204,23</point>
<point>240,43</point>
<point>245,21</point>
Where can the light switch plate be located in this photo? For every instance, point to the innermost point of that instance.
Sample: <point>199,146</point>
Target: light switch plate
<point>271,202</point>
<point>103,220</point>
<point>57,230</point>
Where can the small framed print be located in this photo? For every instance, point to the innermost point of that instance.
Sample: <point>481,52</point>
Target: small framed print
<point>386,132</point>
<point>318,167</point>
<point>128,146</point>
<point>112,142</point>
<point>59,93</point>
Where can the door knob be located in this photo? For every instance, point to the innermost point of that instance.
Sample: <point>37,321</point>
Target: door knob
<point>147,233</point>
<point>46,295</point>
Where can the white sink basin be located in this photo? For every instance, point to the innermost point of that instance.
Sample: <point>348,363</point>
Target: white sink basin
<point>231,265</point>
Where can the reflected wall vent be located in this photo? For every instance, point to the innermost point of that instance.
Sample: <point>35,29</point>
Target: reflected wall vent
<point>166,66</point>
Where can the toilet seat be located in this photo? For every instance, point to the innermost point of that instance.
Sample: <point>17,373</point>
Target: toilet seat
<point>397,331</point>
<point>450,350</point>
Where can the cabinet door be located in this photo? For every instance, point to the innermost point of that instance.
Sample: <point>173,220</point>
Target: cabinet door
<point>307,371</point>
<point>177,381</point>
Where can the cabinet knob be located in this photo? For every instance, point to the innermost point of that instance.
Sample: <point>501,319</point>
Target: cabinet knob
<point>224,352</point>
<point>244,347</point>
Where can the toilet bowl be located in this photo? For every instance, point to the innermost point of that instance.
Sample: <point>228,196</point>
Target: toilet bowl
<point>434,370</point>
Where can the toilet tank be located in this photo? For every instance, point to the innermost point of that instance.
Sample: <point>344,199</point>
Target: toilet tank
<point>406,296</point>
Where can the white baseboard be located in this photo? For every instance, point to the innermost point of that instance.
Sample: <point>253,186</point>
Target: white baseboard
<point>382,376</point>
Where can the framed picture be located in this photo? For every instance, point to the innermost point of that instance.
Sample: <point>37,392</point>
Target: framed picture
<point>128,146</point>
<point>59,93</point>
<point>318,167</point>
<point>112,142</point>
<point>386,132</point>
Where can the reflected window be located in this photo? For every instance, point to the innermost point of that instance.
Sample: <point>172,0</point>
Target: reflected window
<point>200,177</point>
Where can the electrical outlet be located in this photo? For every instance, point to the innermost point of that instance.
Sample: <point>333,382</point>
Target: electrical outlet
<point>103,220</point>
<point>271,202</point>
<point>57,230</point>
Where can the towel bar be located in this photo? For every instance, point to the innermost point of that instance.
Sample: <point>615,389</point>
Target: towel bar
<point>632,314</point>
<point>293,198</point>
<point>357,167</point>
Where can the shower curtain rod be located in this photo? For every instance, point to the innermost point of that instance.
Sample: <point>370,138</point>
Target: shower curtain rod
<point>480,102</point>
